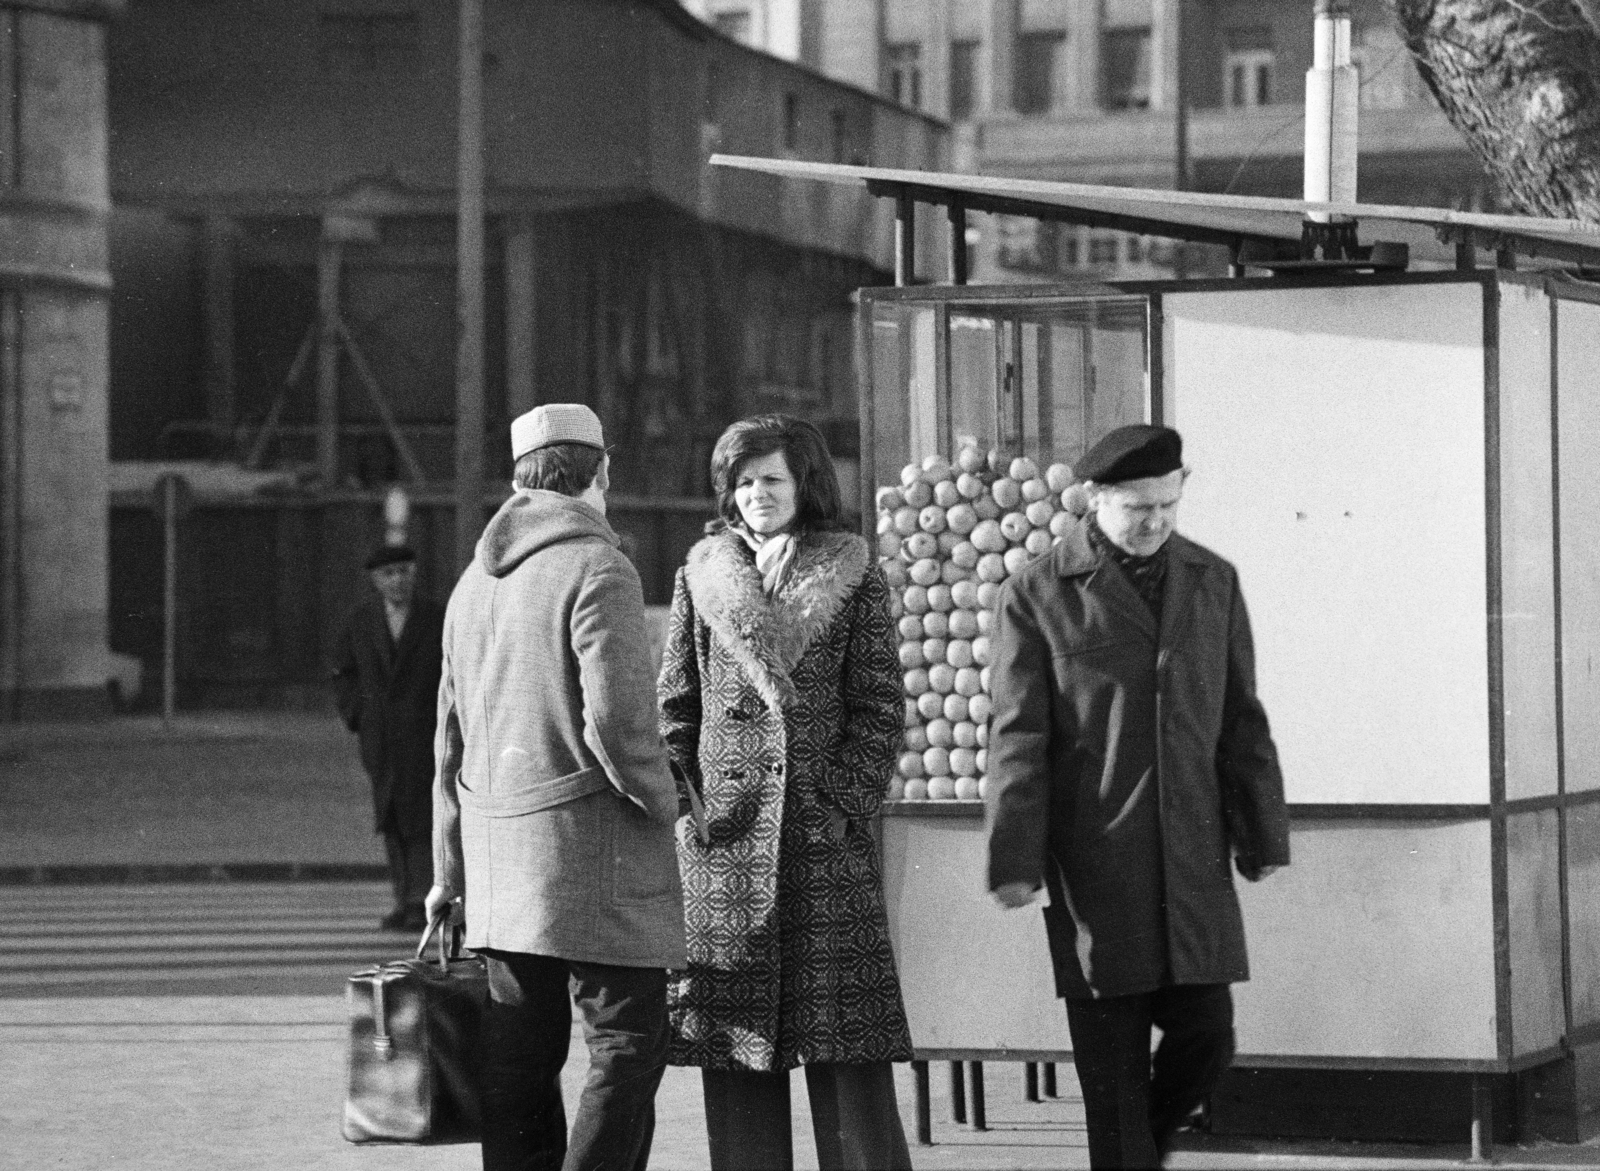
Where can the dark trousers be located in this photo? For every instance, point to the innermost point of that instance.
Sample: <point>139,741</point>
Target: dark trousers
<point>1134,1104</point>
<point>410,847</point>
<point>410,863</point>
<point>526,1031</point>
<point>854,1117</point>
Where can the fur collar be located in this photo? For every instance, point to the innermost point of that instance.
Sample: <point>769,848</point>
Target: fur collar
<point>767,638</point>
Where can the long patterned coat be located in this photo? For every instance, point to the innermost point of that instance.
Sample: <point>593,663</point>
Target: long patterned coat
<point>786,714</point>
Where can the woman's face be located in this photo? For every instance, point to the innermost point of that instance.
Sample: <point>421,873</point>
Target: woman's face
<point>766,494</point>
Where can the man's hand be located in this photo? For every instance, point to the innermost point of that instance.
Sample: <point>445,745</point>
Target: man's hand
<point>438,900</point>
<point>1012,895</point>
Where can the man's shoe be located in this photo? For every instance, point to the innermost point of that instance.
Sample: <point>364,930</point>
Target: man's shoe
<point>395,920</point>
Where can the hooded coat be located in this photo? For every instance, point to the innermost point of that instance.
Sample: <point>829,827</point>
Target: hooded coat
<point>786,714</point>
<point>1127,758</point>
<point>553,798</point>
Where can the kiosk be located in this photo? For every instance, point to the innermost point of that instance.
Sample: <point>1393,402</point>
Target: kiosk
<point>1395,462</point>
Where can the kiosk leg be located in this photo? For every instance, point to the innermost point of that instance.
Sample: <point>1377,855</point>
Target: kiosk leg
<point>1030,1082</point>
<point>1482,1120</point>
<point>958,1092</point>
<point>980,1120</point>
<point>919,1074</point>
<point>1050,1080</point>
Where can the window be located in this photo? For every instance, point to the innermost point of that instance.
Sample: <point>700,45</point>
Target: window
<point>1247,78</point>
<point>963,79</point>
<point>1247,67</point>
<point>733,23</point>
<point>1103,250</point>
<point>1038,72</point>
<point>841,136</point>
<point>903,78</point>
<point>1125,69</point>
<point>364,41</point>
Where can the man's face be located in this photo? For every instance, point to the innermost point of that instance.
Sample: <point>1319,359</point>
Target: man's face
<point>1138,515</point>
<point>396,581</point>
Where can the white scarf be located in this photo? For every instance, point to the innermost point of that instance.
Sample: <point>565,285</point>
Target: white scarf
<point>774,555</point>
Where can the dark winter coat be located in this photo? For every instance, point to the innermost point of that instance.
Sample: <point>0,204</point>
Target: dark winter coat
<point>554,803</point>
<point>1124,760</point>
<point>787,715</point>
<point>388,694</point>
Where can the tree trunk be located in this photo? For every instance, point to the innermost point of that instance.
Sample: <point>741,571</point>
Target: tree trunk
<point>1521,80</point>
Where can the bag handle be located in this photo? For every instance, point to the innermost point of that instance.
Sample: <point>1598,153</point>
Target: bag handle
<point>446,954</point>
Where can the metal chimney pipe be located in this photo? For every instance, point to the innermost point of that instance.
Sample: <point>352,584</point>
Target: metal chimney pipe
<point>1332,104</point>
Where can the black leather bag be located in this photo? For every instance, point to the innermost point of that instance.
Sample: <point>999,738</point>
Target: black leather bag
<point>414,1030</point>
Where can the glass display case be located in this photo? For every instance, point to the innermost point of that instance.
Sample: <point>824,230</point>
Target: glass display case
<point>974,413</point>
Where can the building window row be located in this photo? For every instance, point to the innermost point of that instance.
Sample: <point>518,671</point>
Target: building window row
<point>1041,81</point>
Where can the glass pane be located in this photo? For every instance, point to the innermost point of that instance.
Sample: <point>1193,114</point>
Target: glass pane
<point>972,380</point>
<point>889,400</point>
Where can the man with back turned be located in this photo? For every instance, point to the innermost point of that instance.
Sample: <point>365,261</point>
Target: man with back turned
<point>554,809</point>
<point>1129,763</point>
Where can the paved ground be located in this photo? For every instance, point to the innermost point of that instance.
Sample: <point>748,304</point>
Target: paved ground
<point>199,1026</point>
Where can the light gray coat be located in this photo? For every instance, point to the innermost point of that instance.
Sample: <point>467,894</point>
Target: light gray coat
<point>553,800</point>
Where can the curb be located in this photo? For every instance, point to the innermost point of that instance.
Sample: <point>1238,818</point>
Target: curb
<point>115,875</point>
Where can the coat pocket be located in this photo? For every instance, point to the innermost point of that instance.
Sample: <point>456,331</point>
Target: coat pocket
<point>644,857</point>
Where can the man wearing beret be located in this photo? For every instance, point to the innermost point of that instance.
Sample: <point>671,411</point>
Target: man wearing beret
<point>386,675</point>
<point>1130,770</point>
<point>554,808</point>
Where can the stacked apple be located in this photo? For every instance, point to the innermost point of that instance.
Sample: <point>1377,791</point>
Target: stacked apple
<point>947,537</point>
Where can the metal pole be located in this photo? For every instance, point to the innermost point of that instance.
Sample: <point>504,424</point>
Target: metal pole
<point>469,286</point>
<point>10,502</point>
<point>169,594</point>
<point>1180,130</point>
<point>330,257</point>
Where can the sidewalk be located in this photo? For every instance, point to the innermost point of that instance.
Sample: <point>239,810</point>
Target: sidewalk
<point>218,1083</point>
<point>261,795</point>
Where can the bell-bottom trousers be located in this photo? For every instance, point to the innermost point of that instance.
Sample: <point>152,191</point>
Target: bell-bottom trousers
<point>855,1119</point>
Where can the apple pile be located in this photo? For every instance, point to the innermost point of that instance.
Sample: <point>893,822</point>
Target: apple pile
<point>947,537</point>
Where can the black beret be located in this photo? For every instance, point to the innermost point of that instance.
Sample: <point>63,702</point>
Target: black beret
<point>1132,453</point>
<point>389,554</point>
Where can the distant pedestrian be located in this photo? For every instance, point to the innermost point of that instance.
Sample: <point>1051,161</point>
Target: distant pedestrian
<point>1128,757</point>
<point>553,810</point>
<point>387,678</point>
<point>781,702</point>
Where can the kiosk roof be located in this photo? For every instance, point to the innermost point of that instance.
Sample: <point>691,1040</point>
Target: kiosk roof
<point>1193,215</point>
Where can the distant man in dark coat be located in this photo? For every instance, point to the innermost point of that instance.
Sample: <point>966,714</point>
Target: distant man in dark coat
<point>387,675</point>
<point>1128,759</point>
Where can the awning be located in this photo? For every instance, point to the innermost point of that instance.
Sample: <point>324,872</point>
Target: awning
<point>1196,216</point>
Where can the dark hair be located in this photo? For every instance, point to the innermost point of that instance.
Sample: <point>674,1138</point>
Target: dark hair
<point>804,450</point>
<point>568,468</point>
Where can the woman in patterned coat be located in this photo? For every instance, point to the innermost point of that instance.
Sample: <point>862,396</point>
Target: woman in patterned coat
<point>781,704</point>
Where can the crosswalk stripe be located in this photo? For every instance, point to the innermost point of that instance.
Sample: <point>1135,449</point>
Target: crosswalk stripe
<point>181,935</point>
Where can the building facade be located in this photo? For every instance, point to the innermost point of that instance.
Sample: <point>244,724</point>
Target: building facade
<point>283,326</point>
<point>1091,91</point>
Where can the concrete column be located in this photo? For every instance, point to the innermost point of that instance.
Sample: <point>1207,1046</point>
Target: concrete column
<point>999,50</point>
<point>522,325</point>
<point>54,288</point>
<point>469,283</point>
<point>1165,34</point>
<point>1083,56</point>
